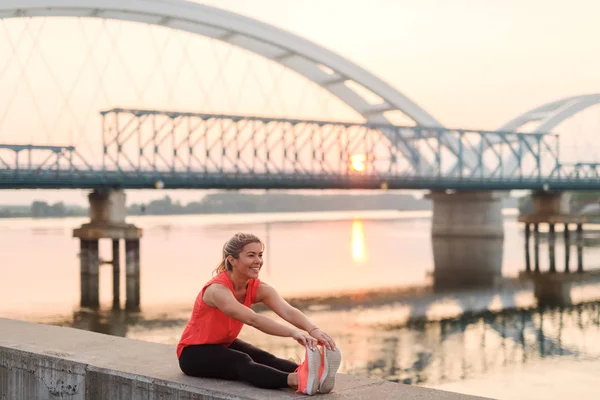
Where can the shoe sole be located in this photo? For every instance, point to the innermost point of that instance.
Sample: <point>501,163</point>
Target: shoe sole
<point>332,361</point>
<point>314,362</point>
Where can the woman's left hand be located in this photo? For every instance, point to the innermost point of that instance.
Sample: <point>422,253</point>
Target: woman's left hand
<point>323,338</point>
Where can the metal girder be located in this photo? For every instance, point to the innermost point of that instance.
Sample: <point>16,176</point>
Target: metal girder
<point>149,180</point>
<point>155,140</point>
<point>195,150</point>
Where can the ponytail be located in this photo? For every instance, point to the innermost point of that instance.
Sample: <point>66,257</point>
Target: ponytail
<point>222,267</point>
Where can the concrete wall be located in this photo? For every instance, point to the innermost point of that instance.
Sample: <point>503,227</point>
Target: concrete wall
<point>47,362</point>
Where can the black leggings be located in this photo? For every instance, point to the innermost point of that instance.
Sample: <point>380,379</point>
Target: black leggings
<point>240,361</point>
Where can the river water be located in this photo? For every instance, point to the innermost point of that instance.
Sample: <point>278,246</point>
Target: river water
<point>446,314</point>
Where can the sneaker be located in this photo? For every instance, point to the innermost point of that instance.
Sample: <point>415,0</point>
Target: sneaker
<point>308,373</point>
<point>330,362</point>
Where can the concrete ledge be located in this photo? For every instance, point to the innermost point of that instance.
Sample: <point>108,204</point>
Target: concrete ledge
<point>48,362</point>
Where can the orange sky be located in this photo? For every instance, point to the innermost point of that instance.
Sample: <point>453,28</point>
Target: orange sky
<point>470,63</point>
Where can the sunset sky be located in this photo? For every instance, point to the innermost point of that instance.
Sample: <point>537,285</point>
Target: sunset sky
<point>469,63</point>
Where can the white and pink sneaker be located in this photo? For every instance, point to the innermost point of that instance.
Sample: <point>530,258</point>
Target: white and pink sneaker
<point>308,373</point>
<point>330,362</point>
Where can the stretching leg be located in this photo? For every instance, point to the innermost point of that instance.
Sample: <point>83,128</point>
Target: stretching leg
<point>216,361</point>
<point>263,357</point>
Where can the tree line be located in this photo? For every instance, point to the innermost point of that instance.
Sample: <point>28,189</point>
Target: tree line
<point>235,202</point>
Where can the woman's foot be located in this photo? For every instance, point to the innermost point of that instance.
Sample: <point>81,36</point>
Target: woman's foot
<point>330,362</point>
<point>308,373</point>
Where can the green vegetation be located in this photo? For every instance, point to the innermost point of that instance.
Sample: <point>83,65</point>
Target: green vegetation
<point>41,209</point>
<point>235,202</point>
<point>238,202</point>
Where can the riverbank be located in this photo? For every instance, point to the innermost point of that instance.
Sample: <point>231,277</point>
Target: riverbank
<point>45,362</point>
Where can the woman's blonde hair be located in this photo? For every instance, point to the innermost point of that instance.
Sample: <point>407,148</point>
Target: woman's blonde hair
<point>233,247</point>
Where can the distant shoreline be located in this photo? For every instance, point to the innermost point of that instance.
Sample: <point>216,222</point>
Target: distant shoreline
<point>298,216</point>
<point>230,213</point>
<point>241,203</point>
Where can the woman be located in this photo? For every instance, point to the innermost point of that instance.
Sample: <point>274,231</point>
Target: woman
<point>209,346</point>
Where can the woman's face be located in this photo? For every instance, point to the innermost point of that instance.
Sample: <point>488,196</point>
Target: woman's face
<point>249,262</point>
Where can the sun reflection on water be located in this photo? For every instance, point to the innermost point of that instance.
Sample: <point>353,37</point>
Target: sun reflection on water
<point>358,242</point>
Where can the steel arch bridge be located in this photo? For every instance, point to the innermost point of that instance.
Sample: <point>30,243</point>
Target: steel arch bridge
<point>548,116</point>
<point>325,68</point>
<point>146,148</point>
<point>370,155</point>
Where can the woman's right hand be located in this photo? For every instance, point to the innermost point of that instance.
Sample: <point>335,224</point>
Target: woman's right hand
<point>305,339</point>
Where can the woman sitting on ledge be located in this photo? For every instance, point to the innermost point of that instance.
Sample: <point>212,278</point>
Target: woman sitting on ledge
<point>209,346</point>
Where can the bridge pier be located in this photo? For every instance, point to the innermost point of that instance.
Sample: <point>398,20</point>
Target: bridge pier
<point>107,221</point>
<point>552,209</point>
<point>552,287</point>
<point>467,214</point>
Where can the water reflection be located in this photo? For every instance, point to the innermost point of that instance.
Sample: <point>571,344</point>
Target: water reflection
<point>358,242</point>
<point>461,263</point>
<point>125,323</point>
<point>417,352</point>
<point>452,350</point>
<point>110,322</point>
<point>384,324</point>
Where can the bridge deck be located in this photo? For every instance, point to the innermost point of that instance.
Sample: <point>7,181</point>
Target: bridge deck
<point>32,179</point>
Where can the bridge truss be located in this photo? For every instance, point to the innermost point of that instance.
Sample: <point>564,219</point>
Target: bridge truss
<point>146,148</point>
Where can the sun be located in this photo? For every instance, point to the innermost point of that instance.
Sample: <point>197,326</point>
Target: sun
<point>357,162</point>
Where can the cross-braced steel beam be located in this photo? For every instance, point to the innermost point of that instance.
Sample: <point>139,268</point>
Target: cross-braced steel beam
<point>193,150</point>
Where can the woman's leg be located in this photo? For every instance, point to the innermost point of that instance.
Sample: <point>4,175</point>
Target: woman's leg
<point>215,361</point>
<point>263,357</point>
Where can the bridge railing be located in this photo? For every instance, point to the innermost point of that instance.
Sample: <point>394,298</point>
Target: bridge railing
<point>153,140</point>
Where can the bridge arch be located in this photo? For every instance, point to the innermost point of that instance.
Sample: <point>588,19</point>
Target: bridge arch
<point>327,69</point>
<point>550,115</point>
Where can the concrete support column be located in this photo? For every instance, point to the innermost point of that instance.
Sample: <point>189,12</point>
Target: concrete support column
<point>107,221</point>
<point>467,214</point>
<point>527,258</point>
<point>107,207</point>
<point>550,203</point>
<point>116,273</point>
<point>552,247</point>
<point>536,247</point>
<point>132,270</point>
<point>567,247</point>
<point>552,208</point>
<point>90,274</point>
<point>580,248</point>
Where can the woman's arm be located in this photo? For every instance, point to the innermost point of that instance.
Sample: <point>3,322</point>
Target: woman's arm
<point>221,297</point>
<point>269,296</point>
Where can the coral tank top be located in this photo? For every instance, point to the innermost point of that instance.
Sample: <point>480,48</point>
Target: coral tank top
<point>209,325</point>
